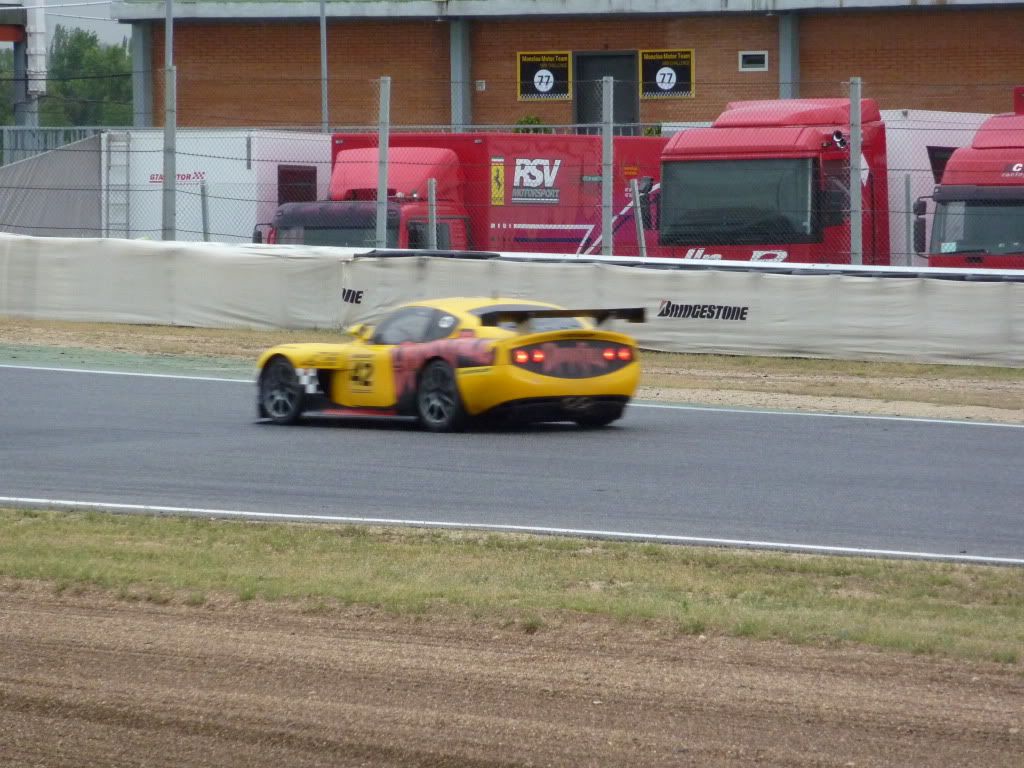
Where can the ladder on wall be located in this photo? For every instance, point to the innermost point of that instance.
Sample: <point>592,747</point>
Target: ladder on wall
<point>116,187</point>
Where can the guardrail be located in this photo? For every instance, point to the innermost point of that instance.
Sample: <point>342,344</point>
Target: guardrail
<point>829,311</point>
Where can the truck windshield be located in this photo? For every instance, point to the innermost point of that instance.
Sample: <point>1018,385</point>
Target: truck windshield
<point>978,226</point>
<point>736,202</point>
<point>351,237</point>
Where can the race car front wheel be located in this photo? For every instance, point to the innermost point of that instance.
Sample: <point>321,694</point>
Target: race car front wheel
<point>280,392</point>
<point>438,404</point>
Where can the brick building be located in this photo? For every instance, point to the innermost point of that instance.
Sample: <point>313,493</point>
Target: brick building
<point>490,62</point>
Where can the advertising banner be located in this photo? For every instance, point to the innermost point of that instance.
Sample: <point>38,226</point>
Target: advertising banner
<point>544,75</point>
<point>666,74</point>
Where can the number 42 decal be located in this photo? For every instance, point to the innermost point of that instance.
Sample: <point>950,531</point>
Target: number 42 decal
<point>362,374</point>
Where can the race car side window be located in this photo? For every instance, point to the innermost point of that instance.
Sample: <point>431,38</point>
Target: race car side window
<point>441,326</point>
<point>405,325</point>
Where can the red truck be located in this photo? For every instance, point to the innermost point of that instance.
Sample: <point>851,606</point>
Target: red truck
<point>979,203</point>
<point>769,181</point>
<point>495,192</point>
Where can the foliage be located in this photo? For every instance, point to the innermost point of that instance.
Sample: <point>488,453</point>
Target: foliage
<point>965,611</point>
<point>88,83</point>
<point>535,124</point>
<point>7,86</point>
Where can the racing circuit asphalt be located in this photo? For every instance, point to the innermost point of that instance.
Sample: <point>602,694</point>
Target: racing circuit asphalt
<point>908,486</point>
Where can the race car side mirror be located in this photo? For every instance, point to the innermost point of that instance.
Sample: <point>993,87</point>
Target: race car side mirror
<point>360,331</point>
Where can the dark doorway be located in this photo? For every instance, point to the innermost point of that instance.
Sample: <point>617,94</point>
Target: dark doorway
<point>296,184</point>
<point>589,68</point>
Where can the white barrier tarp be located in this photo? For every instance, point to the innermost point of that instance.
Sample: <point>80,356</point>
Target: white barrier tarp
<point>193,284</point>
<point>740,313</point>
<point>709,311</point>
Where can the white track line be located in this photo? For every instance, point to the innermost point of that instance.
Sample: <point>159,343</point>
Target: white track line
<point>126,373</point>
<point>917,419</point>
<point>633,404</point>
<point>670,539</point>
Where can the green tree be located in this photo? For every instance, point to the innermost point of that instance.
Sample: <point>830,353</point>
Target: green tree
<point>89,83</point>
<point>7,86</point>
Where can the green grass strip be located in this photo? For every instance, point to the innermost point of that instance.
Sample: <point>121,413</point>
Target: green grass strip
<point>974,612</point>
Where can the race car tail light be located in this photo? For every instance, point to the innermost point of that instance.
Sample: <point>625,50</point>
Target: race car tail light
<point>572,358</point>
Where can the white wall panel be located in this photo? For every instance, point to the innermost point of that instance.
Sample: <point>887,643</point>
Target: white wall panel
<point>913,318</point>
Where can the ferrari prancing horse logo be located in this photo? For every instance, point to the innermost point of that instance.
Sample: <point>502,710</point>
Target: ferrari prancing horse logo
<point>362,374</point>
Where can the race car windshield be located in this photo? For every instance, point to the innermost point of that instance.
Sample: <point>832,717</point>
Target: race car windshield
<point>539,324</point>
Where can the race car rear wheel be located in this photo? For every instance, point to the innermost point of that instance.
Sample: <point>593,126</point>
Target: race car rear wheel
<point>280,392</point>
<point>594,422</point>
<point>598,418</point>
<point>438,404</point>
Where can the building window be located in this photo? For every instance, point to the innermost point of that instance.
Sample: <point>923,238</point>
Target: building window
<point>753,61</point>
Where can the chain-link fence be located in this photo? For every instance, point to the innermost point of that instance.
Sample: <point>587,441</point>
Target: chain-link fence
<point>699,170</point>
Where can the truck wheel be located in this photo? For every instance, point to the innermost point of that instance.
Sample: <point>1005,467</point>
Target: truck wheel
<point>280,393</point>
<point>438,404</point>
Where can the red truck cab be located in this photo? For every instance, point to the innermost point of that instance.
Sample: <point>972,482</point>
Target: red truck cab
<point>769,181</point>
<point>979,204</point>
<point>354,224</point>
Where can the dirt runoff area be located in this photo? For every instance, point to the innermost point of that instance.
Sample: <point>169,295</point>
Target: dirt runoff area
<point>90,680</point>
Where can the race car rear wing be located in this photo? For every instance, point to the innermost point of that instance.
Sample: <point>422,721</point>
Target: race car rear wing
<point>599,316</point>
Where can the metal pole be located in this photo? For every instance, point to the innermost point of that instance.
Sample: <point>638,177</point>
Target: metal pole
<point>204,201</point>
<point>323,66</point>
<point>908,220</point>
<point>607,165</point>
<point>170,125</point>
<point>383,129</point>
<point>856,193</point>
<point>432,214</point>
<point>638,217</point>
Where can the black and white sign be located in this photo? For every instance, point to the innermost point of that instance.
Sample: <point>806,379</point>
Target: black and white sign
<point>666,74</point>
<point>544,75</point>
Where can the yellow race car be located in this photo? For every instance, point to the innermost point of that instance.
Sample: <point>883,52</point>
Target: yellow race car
<point>448,361</point>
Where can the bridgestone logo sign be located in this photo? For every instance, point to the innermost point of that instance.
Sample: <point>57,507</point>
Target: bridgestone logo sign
<point>702,311</point>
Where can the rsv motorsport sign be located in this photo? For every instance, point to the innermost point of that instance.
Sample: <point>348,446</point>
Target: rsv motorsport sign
<point>534,180</point>
<point>544,75</point>
<point>666,74</point>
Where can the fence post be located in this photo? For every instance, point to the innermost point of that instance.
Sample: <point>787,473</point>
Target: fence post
<point>204,201</point>
<point>856,193</point>
<point>432,214</point>
<point>908,220</point>
<point>638,218</point>
<point>607,163</point>
<point>383,129</point>
<point>324,121</point>
<point>170,206</point>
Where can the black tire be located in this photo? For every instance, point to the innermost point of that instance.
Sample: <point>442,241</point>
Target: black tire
<point>280,393</point>
<point>598,419</point>
<point>438,404</point>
